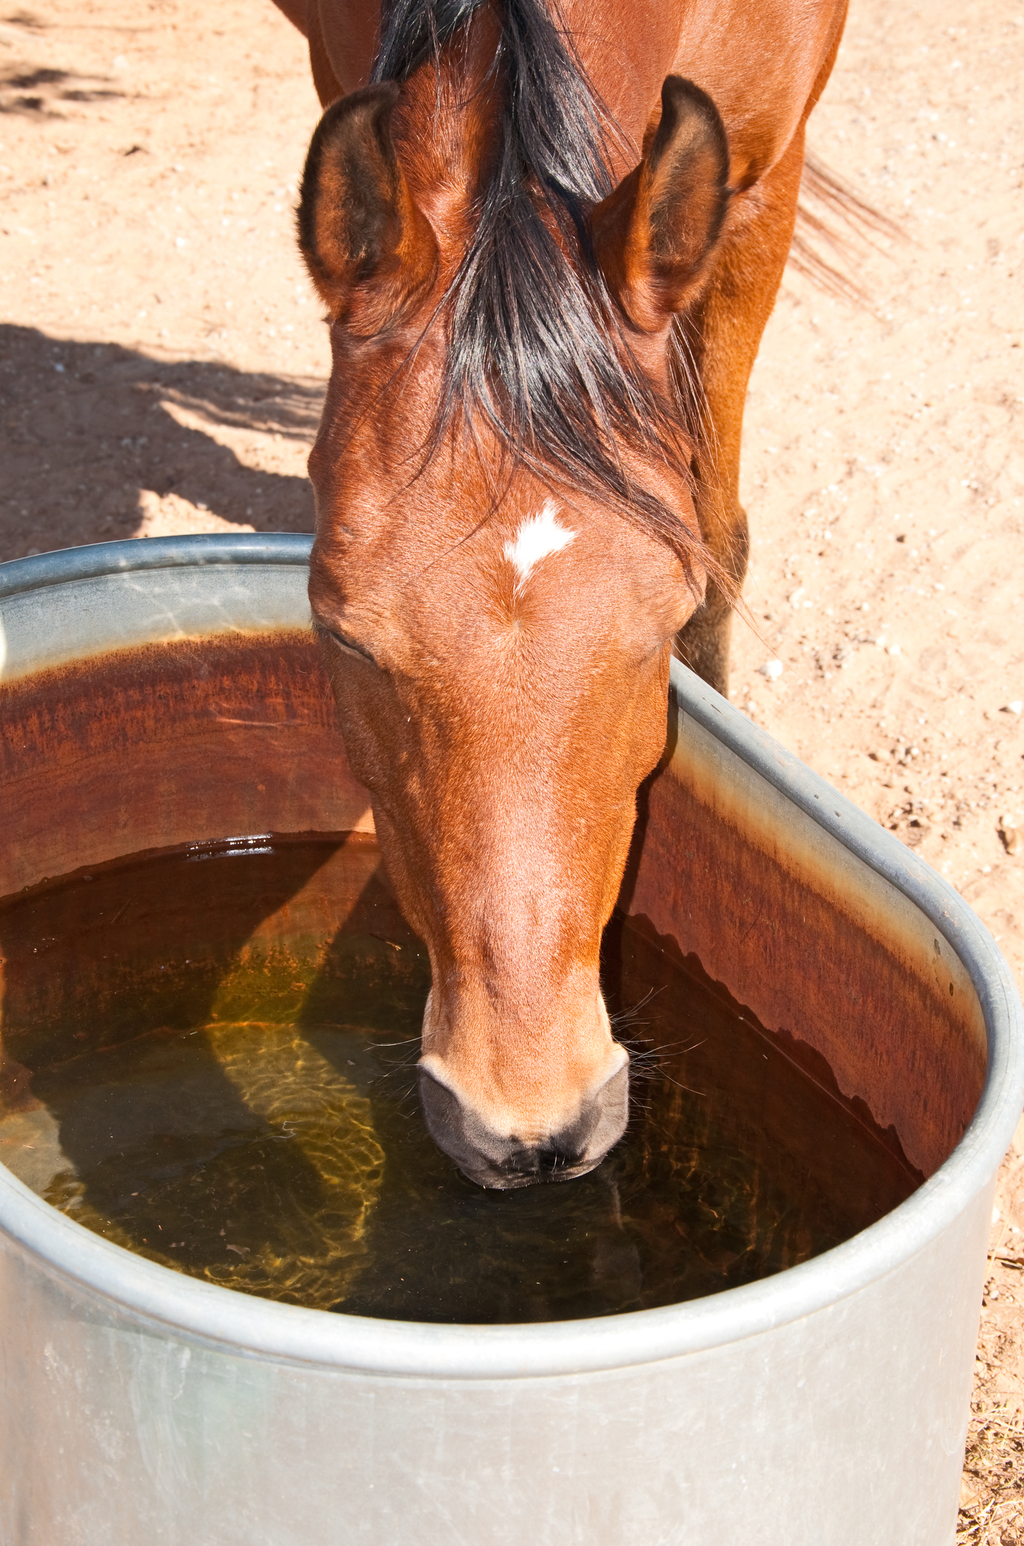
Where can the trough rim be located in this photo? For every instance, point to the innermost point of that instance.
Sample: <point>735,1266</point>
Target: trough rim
<point>247,1326</point>
<point>198,550</point>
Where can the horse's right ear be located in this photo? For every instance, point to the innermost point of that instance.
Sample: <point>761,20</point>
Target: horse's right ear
<point>369,250</point>
<point>653,236</point>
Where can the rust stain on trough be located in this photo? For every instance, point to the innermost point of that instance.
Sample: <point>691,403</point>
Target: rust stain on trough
<point>822,949</point>
<point>185,741</point>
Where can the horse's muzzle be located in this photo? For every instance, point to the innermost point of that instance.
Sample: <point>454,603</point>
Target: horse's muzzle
<point>502,1163</point>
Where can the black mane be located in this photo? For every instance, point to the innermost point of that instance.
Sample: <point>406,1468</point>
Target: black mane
<point>536,346</point>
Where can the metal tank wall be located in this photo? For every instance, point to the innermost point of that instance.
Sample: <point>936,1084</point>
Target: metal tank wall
<point>162,692</point>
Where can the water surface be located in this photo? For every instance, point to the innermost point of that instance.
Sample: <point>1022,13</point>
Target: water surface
<point>209,1059</point>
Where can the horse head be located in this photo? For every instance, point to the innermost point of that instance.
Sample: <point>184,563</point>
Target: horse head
<point>506,547</point>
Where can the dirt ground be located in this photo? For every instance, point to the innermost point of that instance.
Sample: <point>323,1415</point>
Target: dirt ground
<point>161,361</point>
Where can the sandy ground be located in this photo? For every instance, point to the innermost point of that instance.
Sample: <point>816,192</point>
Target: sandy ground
<point>161,361</point>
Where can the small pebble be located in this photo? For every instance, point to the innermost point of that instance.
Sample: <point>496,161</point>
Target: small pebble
<point>1010,834</point>
<point>772,669</point>
<point>1016,706</point>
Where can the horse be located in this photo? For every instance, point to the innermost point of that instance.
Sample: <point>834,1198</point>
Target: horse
<point>548,235</point>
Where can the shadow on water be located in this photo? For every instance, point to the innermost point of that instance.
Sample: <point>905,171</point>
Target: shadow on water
<point>110,982</point>
<point>94,433</point>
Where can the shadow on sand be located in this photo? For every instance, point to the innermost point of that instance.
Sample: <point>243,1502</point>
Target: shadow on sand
<point>97,435</point>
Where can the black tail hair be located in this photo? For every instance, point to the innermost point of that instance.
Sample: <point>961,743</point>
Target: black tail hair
<point>824,199</point>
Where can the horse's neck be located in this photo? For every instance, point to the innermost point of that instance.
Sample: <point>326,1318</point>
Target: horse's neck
<point>761,61</point>
<point>626,58</point>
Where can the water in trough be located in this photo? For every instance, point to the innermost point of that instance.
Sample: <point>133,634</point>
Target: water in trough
<point>204,1065</point>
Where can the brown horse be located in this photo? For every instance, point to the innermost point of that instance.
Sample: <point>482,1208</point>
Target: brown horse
<point>548,241</point>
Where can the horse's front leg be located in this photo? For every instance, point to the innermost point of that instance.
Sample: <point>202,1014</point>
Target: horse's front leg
<point>704,643</point>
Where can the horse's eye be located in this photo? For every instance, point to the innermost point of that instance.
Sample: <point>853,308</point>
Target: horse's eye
<point>350,644</point>
<point>342,640</point>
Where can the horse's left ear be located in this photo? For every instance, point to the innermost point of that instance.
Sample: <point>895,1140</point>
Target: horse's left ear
<point>654,235</point>
<point>369,249</point>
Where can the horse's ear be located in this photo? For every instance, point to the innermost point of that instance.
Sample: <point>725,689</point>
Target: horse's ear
<point>369,250</point>
<point>654,235</point>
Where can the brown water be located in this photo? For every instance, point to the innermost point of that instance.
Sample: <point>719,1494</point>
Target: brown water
<point>203,1067</point>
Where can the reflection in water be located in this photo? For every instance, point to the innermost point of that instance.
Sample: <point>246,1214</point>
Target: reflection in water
<point>202,1067</point>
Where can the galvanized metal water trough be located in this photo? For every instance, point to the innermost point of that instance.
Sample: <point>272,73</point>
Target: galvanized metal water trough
<point>167,691</point>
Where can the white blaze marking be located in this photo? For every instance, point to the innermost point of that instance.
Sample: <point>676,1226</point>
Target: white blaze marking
<point>535,539</point>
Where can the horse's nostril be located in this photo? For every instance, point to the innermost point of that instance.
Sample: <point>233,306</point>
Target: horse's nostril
<point>541,1162</point>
